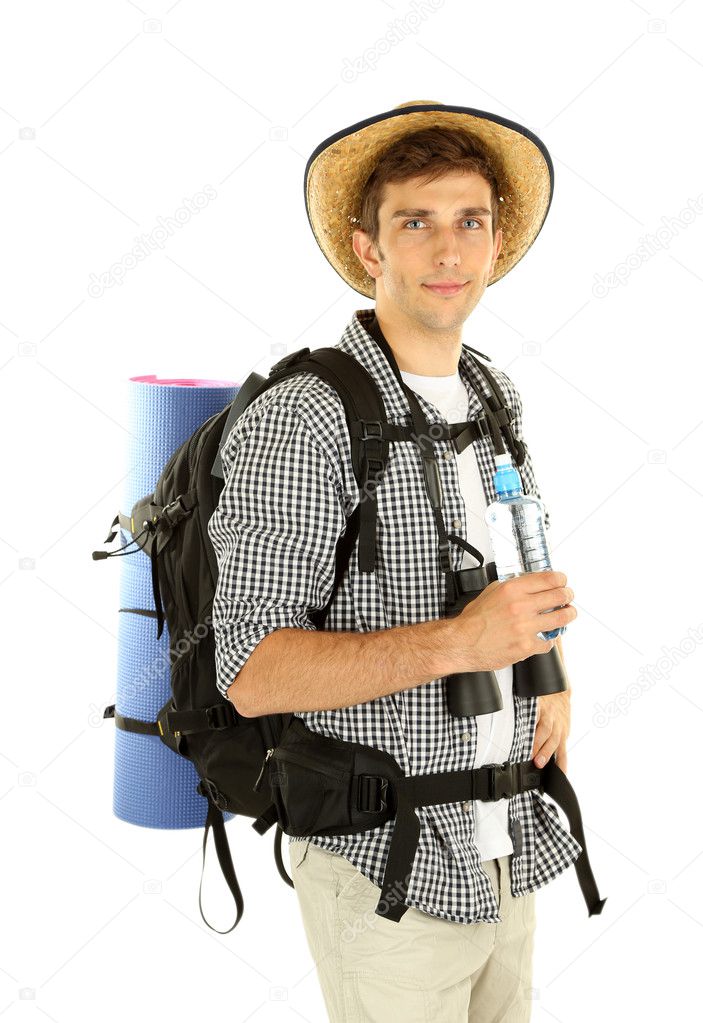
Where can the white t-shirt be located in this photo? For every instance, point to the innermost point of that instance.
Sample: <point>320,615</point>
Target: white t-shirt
<point>495,731</point>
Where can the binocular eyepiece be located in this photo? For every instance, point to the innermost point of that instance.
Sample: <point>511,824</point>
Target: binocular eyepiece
<point>470,693</point>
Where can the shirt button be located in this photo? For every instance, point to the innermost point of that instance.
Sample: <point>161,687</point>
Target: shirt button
<point>456,523</point>
<point>449,454</point>
<point>465,736</point>
<point>466,806</point>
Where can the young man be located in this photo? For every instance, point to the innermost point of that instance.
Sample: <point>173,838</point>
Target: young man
<point>420,208</point>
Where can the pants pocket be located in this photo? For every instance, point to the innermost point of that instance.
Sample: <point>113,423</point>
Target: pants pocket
<point>298,851</point>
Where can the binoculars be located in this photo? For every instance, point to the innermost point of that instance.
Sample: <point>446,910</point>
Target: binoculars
<point>477,692</point>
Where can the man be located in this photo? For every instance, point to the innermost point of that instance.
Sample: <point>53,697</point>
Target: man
<point>445,201</point>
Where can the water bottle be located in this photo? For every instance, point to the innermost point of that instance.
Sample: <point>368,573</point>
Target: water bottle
<point>516,529</point>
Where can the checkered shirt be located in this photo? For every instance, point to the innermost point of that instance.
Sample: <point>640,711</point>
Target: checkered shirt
<point>289,487</point>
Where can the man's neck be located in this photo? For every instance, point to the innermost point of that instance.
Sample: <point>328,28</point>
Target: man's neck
<point>423,352</point>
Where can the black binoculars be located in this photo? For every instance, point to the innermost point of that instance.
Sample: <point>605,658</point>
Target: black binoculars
<point>477,692</point>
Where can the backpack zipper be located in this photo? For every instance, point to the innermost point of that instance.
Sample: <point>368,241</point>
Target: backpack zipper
<point>292,757</point>
<point>257,783</point>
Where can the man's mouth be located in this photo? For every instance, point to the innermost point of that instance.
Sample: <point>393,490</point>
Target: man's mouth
<point>445,289</point>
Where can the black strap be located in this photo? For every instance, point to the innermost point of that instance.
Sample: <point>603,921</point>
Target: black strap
<point>266,820</point>
<point>139,611</point>
<point>423,438</point>
<point>278,856</point>
<point>131,724</point>
<point>493,406</point>
<point>487,783</point>
<point>558,786</point>
<point>345,546</point>
<point>460,434</point>
<point>216,821</point>
<point>186,722</point>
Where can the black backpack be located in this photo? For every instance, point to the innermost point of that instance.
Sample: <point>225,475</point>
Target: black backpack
<point>229,752</point>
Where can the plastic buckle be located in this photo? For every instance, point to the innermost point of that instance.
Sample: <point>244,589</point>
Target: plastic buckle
<point>502,780</point>
<point>484,429</point>
<point>218,716</point>
<point>365,435</point>
<point>208,789</point>
<point>371,789</point>
<point>173,512</point>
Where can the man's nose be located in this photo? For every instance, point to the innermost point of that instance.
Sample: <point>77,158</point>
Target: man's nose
<point>446,246</point>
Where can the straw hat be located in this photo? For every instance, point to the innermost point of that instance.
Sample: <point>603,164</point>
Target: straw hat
<point>340,166</point>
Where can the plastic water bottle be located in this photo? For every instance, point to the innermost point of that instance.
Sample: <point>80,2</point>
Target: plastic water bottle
<point>516,529</point>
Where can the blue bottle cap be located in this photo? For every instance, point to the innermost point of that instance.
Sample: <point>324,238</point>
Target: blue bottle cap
<point>506,479</point>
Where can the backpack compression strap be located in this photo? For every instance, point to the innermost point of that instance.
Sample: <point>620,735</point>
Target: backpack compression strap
<point>216,821</point>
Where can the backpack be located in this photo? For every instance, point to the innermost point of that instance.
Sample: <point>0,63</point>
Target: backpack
<point>230,752</point>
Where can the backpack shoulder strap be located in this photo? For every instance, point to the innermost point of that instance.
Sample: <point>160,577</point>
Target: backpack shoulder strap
<point>365,413</point>
<point>496,407</point>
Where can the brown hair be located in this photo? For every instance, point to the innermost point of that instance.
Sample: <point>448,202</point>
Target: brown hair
<point>430,153</point>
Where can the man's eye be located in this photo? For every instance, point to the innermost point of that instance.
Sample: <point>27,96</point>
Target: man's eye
<point>469,220</point>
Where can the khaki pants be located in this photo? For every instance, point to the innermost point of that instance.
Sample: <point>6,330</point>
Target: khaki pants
<point>422,968</point>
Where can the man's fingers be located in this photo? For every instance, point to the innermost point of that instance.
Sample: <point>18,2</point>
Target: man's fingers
<point>535,582</point>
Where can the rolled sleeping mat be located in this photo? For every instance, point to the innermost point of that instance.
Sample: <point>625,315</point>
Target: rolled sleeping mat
<point>154,786</point>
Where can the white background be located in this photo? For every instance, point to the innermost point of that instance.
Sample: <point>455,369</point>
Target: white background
<point>113,115</point>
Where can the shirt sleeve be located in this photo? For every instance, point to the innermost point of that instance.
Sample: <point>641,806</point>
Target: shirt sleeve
<point>274,531</point>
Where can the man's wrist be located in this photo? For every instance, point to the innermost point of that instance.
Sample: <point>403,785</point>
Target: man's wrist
<point>451,648</point>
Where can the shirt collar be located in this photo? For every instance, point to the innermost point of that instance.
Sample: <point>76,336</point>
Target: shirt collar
<point>358,342</point>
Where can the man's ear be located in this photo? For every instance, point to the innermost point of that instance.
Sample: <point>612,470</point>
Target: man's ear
<point>365,251</point>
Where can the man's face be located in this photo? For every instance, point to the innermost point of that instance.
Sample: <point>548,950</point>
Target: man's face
<point>429,234</point>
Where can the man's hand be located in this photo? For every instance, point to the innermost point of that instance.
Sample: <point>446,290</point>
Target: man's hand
<point>553,726</point>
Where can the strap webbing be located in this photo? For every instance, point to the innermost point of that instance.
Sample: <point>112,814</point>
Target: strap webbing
<point>480,783</point>
<point>187,722</point>
<point>558,786</point>
<point>131,724</point>
<point>216,821</point>
<point>345,545</point>
<point>279,858</point>
<point>460,434</point>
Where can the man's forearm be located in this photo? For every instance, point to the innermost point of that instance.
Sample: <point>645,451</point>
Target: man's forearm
<point>296,670</point>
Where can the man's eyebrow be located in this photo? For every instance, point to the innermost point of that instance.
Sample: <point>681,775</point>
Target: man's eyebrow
<point>467,211</point>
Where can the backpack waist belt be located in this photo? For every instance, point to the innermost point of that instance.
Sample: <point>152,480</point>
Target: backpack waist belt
<point>324,786</point>
<point>491,782</point>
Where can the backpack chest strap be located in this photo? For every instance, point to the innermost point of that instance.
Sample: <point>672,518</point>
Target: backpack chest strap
<point>460,434</point>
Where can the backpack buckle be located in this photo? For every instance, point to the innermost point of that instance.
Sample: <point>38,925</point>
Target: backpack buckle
<point>211,792</point>
<point>377,433</point>
<point>484,429</point>
<point>375,466</point>
<point>218,716</point>
<point>370,793</point>
<point>501,781</point>
<point>173,512</point>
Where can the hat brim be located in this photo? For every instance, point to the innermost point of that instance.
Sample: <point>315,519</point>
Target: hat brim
<point>339,167</point>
